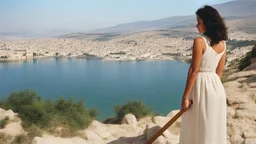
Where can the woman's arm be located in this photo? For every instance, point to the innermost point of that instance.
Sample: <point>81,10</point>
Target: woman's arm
<point>195,65</point>
<point>198,46</point>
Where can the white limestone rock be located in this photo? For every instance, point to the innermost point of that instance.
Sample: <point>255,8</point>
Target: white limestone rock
<point>129,119</point>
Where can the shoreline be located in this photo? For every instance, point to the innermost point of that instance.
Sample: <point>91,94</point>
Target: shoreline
<point>170,58</point>
<point>143,46</point>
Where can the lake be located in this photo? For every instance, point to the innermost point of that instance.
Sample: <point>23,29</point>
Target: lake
<point>102,84</point>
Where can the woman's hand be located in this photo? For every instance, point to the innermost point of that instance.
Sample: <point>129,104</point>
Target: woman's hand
<point>185,105</point>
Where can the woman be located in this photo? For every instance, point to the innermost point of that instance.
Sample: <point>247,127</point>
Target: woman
<point>205,121</point>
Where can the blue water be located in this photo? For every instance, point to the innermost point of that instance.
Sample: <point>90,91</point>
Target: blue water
<point>102,84</point>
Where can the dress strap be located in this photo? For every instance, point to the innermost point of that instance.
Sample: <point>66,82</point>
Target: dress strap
<point>206,44</point>
<point>225,45</point>
<point>205,40</point>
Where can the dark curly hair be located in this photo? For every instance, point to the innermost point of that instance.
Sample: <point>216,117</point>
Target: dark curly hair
<point>215,26</point>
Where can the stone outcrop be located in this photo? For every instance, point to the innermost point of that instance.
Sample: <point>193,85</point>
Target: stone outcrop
<point>241,112</point>
<point>48,139</point>
<point>129,119</point>
<point>12,128</point>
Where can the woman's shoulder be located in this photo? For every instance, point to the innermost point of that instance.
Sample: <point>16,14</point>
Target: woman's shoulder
<point>200,43</point>
<point>200,40</point>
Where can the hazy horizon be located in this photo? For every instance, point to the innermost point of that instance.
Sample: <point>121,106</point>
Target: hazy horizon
<point>81,16</point>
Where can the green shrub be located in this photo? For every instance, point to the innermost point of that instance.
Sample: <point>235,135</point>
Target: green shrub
<point>111,120</point>
<point>29,107</point>
<point>253,52</point>
<point>49,106</point>
<point>34,131</point>
<point>246,60</point>
<point>94,113</point>
<point>36,113</point>
<point>19,99</point>
<point>137,108</point>
<point>224,79</point>
<point>74,114</point>
<point>1,103</point>
<point>21,139</point>
<point>4,122</point>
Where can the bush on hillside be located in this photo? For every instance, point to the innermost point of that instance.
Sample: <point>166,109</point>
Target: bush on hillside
<point>246,60</point>
<point>253,52</point>
<point>1,103</point>
<point>4,122</point>
<point>137,108</point>
<point>29,107</point>
<point>17,100</point>
<point>94,113</point>
<point>74,114</point>
<point>21,139</point>
<point>35,112</point>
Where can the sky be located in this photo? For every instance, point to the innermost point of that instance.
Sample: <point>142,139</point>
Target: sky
<point>86,15</point>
